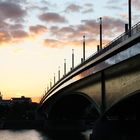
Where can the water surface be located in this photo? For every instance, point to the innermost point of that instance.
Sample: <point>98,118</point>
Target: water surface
<point>38,135</point>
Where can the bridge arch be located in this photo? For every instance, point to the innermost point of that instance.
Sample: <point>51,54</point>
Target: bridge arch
<point>125,109</point>
<point>73,105</point>
<point>121,120</point>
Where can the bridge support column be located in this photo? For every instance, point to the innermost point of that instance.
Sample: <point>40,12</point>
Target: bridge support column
<point>103,92</point>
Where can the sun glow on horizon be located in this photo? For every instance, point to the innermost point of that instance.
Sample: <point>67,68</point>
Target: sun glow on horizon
<point>36,37</point>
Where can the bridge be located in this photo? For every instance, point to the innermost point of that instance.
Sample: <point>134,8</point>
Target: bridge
<point>105,85</point>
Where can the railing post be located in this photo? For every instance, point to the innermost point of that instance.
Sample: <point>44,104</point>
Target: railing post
<point>98,48</point>
<point>54,78</point>
<point>50,83</point>
<point>47,88</point>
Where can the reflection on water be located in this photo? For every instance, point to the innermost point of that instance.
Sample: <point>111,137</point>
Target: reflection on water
<point>21,135</point>
<point>37,135</point>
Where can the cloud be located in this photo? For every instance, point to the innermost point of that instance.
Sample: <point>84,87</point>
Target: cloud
<point>11,32</point>
<point>73,8</point>
<point>16,27</point>
<point>113,1</point>
<point>88,8</point>
<point>112,25</point>
<point>53,43</point>
<point>37,29</point>
<point>113,7</point>
<point>16,1</point>
<point>12,11</point>
<point>52,17</point>
<point>72,35</point>
<point>19,34</point>
<point>4,37</point>
<point>136,4</point>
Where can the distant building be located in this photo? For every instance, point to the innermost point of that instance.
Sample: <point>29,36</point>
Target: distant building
<point>4,102</point>
<point>12,101</point>
<point>21,100</point>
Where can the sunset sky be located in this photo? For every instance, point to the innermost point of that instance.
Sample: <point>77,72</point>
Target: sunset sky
<point>37,35</point>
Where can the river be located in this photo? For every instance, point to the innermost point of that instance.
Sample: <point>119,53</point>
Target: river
<point>38,135</point>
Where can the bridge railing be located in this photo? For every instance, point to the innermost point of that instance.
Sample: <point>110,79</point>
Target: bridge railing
<point>124,36</point>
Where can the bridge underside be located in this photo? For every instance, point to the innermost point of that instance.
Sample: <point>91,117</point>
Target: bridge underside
<point>73,111</point>
<point>73,105</point>
<point>121,121</point>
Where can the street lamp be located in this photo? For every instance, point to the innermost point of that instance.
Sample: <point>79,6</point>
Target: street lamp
<point>129,13</point>
<point>64,67</point>
<point>84,48</point>
<point>72,59</point>
<point>58,73</point>
<point>100,32</point>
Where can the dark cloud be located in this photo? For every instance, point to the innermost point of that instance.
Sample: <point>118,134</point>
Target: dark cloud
<point>37,29</point>
<point>73,8</point>
<point>52,17</point>
<point>10,32</point>
<point>16,27</point>
<point>19,34</point>
<point>12,11</point>
<point>113,25</point>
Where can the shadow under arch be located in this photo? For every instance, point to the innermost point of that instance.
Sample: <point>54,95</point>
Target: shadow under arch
<point>120,121</point>
<point>73,105</point>
<point>128,108</point>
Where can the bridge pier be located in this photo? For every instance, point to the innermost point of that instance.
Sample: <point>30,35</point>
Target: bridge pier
<point>103,93</point>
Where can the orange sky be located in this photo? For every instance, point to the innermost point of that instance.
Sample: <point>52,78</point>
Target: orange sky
<point>36,37</point>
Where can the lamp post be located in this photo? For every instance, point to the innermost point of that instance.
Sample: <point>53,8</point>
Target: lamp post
<point>72,59</point>
<point>100,32</point>
<point>83,47</point>
<point>129,14</point>
<point>58,73</point>
<point>64,67</point>
<point>129,10</point>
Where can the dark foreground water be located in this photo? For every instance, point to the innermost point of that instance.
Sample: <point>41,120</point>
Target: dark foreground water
<point>38,135</point>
